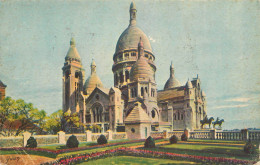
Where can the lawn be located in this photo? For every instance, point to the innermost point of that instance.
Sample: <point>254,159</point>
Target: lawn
<point>87,150</point>
<point>81,144</point>
<point>130,160</point>
<point>103,148</point>
<point>226,150</point>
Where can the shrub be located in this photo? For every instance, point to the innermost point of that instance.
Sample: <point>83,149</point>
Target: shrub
<point>184,137</point>
<point>249,148</point>
<point>31,143</point>
<point>72,142</point>
<point>149,142</point>
<point>173,139</point>
<point>102,139</point>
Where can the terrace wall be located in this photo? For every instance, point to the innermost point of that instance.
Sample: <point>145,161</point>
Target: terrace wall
<point>60,138</point>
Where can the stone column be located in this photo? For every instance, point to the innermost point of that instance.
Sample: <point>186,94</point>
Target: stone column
<point>110,135</point>
<point>244,133</point>
<point>88,135</point>
<point>26,136</point>
<point>165,134</point>
<point>187,132</point>
<point>213,134</point>
<point>61,137</point>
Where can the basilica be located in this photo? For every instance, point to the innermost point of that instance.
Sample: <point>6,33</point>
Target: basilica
<point>134,104</point>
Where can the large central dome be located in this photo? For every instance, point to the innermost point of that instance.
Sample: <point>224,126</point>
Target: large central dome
<point>129,39</point>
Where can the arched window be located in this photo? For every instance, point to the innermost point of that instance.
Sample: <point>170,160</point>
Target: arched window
<point>200,110</point>
<point>116,79</point>
<point>121,77</point>
<point>126,75</point>
<point>126,55</point>
<point>135,92</point>
<point>153,113</point>
<point>152,92</point>
<point>181,116</point>
<point>175,118</point>
<point>146,90</point>
<point>97,110</point>
<point>77,75</point>
<point>187,105</point>
<point>142,91</point>
<point>178,115</point>
<point>133,54</point>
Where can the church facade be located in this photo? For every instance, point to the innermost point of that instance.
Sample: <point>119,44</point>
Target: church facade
<point>133,104</point>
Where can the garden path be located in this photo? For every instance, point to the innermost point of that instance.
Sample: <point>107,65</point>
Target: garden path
<point>23,159</point>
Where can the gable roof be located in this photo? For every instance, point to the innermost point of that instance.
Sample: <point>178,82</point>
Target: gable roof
<point>170,93</point>
<point>105,91</point>
<point>137,115</point>
<point>2,84</point>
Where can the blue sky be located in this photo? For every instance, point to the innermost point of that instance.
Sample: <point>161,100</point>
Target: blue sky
<point>219,40</point>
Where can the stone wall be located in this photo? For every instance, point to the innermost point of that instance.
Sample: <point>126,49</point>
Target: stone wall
<point>46,139</point>
<point>11,141</point>
<point>60,138</point>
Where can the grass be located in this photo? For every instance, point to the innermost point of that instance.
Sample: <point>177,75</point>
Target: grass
<point>81,144</point>
<point>130,160</point>
<point>200,149</point>
<point>103,148</point>
<point>211,148</point>
<point>90,150</point>
<point>45,154</point>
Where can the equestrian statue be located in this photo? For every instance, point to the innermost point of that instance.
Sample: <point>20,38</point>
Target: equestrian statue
<point>206,120</point>
<point>218,122</point>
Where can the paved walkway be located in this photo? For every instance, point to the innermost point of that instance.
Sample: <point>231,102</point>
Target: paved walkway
<point>16,159</point>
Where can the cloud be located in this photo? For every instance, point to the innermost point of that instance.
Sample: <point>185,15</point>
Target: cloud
<point>241,99</point>
<point>230,106</point>
<point>151,39</point>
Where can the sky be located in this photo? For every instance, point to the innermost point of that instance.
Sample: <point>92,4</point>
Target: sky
<point>218,40</point>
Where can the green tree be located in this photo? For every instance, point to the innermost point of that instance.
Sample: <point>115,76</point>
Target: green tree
<point>54,122</point>
<point>7,106</point>
<point>17,116</point>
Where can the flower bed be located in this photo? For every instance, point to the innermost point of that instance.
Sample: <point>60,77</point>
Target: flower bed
<point>56,152</point>
<point>143,153</point>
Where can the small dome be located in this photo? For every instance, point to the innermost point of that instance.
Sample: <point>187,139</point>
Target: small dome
<point>129,39</point>
<point>189,84</point>
<point>73,52</point>
<point>91,83</point>
<point>172,82</point>
<point>93,80</point>
<point>141,70</point>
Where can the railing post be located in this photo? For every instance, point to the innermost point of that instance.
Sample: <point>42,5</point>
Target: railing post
<point>26,136</point>
<point>61,137</point>
<point>213,134</point>
<point>88,135</point>
<point>165,134</point>
<point>187,132</point>
<point>244,133</point>
<point>110,135</point>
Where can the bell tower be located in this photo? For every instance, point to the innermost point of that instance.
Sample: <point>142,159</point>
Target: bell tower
<point>73,78</point>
